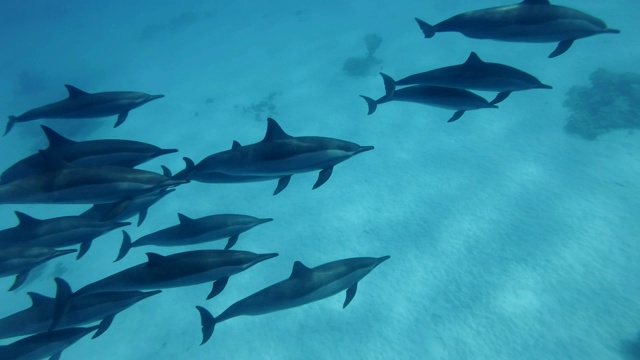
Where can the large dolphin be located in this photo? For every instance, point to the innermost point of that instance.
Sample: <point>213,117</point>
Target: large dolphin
<point>56,232</point>
<point>460,100</point>
<point>20,261</point>
<point>304,286</point>
<point>139,206</point>
<point>281,155</point>
<point>180,269</point>
<point>81,104</point>
<point>474,74</point>
<point>195,231</point>
<point>82,310</point>
<point>106,152</point>
<point>45,345</point>
<point>532,21</point>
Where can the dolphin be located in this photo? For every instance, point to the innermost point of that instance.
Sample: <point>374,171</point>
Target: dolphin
<point>45,345</point>
<point>139,206</point>
<point>106,152</point>
<point>20,260</point>
<point>56,232</point>
<point>195,231</point>
<point>304,286</point>
<point>474,74</point>
<point>460,100</point>
<point>86,309</point>
<point>69,184</point>
<point>180,269</point>
<point>81,104</point>
<point>281,155</point>
<point>531,21</point>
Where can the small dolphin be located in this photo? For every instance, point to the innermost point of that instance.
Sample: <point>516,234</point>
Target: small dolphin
<point>304,286</point>
<point>281,155</point>
<point>56,232</point>
<point>195,231</point>
<point>86,309</point>
<point>474,74</point>
<point>125,153</point>
<point>20,260</point>
<point>460,100</point>
<point>532,21</point>
<point>139,206</point>
<point>45,345</point>
<point>181,269</point>
<point>81,104</point>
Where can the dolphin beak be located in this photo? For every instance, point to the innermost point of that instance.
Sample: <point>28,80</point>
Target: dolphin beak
<point>264,257</point>
<point>120,224</point>
<point>166,151</point>
<point>363,149</point>
<point>383,259</point>
<point>149,294</point>
<point>262,221</point>
<point>154,97</point>
<point>63,252</point>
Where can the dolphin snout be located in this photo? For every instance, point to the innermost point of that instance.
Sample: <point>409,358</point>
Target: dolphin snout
<point>120,224</point>
<point>264,257</point>
<point>153,97</point>
<point>362,149</point>
<point>63,252</point>
<point>383,259</point>
<point>148,294</point>
<point>266,220</point>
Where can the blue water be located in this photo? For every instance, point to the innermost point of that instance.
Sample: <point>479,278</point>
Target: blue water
<point>509,239</point>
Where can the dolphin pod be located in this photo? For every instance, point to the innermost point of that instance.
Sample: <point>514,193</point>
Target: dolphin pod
<point>531,21</point>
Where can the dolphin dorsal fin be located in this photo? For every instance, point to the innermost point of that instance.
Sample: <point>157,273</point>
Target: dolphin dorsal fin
<point>536,2</point>
<point>39,300</point>
<point>166,172</point>
<point>299,269</point>
<point>274,132</point>
<point>26,220</point>
<point>235,145</point>
<point>154,259</point>
<point>74,92</point>
<point>184,219</point>
<point>473,59</point>
<point>55,139</point>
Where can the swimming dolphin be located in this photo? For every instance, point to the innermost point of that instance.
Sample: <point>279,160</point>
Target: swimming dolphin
<point>44,345</point>
<point>532,21</point>
<point>195,231</point>
<point>139,206</point>
<point>69,184</point>
<point>474,74</point>
<point>20,260</point>
<point>281,155</point>
<point>460,100</point>
<point>86,309</point>
<point>81,104</point>
<point>56,232</point>
<point>180,269</point>
<point>125,153</point>
<point>304,286</point>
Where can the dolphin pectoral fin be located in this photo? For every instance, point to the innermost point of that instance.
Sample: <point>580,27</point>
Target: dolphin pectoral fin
<point>324,175</point>
<point>372,104</point>
<point>125,247</point>
<point>232,241</point>
<point>121,118</point>
<point>12,121</point>
<point>500,97</point>
<point>456,116</point>
<point>56,356</point>
<point>103,326</point>
<point>428,30</point>
<point>282,184</point>
<point>218,286</point>
<point>562,47</point>
<point>351,292</point>
<point>84,247</point>
<point>20,279</point>
<point>142,215</point>
<point>61,302</point>
<point>208,323</point>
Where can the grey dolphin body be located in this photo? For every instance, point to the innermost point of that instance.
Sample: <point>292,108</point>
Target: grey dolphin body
<point>460,100</point>
<point>106,152</point>
<point>81,104</point>
<point>475,74</point>
<point>82,310</point>
<point>139,206</point>
<point>533,21</point>
<point>44,345</point>
<point>181,269</point>
<point>56,232</point>
<point>280,155</point>
<point>195,231</point>
<point>20,260</point>
<point>304,286</point>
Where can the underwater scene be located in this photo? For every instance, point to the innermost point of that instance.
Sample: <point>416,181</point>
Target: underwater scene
<point>332,180</point>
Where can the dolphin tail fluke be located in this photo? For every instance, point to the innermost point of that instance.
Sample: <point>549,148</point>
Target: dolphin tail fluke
<point>456,115</point>
<point>389,85</point>
<point>351,292</point>
<point>208,323</point>
<point>232,241</point>
<point>12,121</point>
<point>61,302</point>
<point>218,286</point>
<point>103,326</point>
<point>121,118</point>
<point>562,47</point>
<point>20,279</point>
<point>282,184</point>
<point>125,247</point>
<point>373,105</point>
<point>323,176</point>
<point>500,97</point>
<point>428,30</point>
